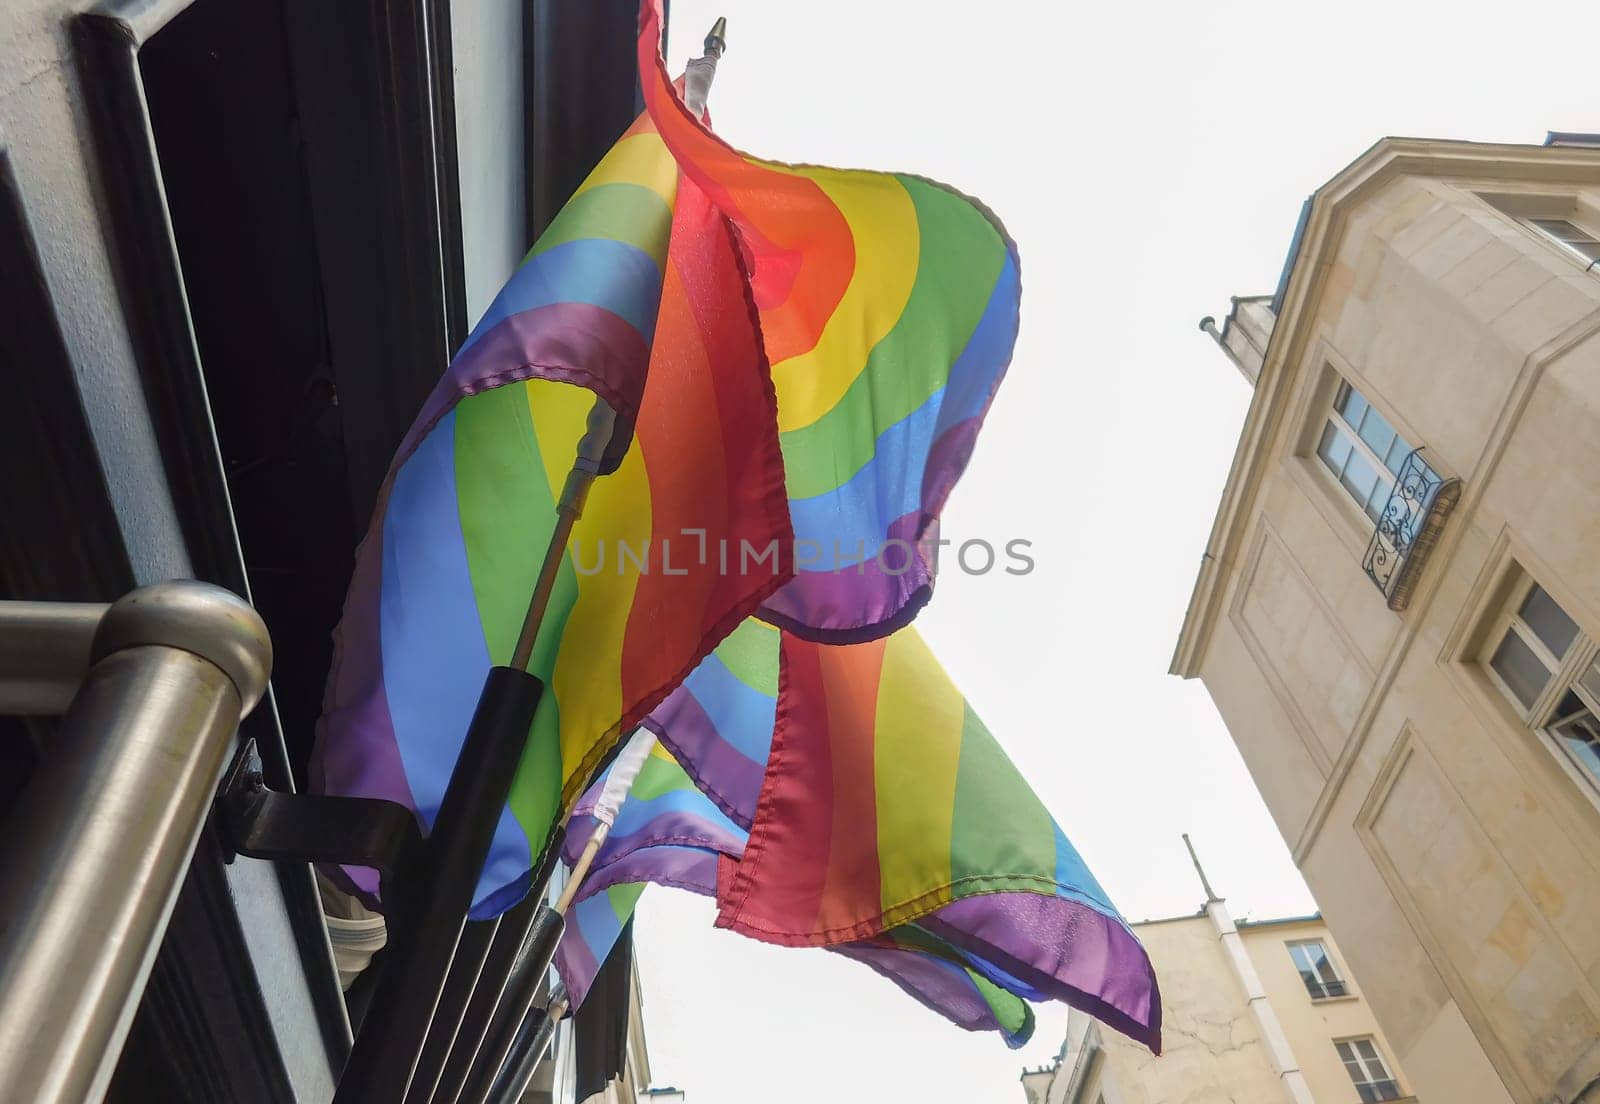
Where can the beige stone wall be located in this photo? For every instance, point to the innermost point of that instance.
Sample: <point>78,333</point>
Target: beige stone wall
<point>1213,1052</point>
<point>1454,854</point>
<point>1214,1047</point>
<point>1311,1026</point>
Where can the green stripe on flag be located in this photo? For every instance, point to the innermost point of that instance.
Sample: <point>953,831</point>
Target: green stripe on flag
<point>1000,824</point>
<point>913,360</point>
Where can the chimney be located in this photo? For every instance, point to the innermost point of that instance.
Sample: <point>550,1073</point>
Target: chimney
<point>1244,333</point>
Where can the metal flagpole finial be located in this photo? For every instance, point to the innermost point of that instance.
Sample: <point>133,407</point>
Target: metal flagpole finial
<point>717,39</point>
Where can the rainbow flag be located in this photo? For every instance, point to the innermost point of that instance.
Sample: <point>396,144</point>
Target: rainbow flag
<point>718,722</point>
<point>668,833</point>
<point>594,925</point>
<point>875,798</point>
<point>888,305</point>
<point>634,293</point>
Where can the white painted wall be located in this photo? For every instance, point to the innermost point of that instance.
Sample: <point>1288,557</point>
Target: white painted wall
<point>487,47</point>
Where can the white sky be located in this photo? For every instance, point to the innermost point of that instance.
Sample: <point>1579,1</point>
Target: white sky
<point>1150,160</point>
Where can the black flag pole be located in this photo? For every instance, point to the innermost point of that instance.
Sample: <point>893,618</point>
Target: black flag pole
<point>505,1044</point>
<point>435,896</point>
<point>528,1050</point>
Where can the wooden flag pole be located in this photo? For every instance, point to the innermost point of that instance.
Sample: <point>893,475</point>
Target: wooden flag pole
<point>585,469</point>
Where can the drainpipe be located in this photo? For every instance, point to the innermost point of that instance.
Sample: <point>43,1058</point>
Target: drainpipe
<point>1279,1052</point>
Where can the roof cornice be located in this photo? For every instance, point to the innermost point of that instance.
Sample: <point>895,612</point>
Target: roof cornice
<point>1331,206</point>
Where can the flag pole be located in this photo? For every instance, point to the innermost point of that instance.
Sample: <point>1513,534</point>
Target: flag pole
<point>528,1049</point>
<point>511,1062</point>
<point>591,450</point>
<point>435,897</point>
<point>514,1031</point>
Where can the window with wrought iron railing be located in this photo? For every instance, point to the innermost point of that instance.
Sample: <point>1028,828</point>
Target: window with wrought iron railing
<point>1396,485</point>
<point>1362,450</point>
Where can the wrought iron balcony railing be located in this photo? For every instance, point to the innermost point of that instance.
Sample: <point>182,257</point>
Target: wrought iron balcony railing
<point>1409,527</point>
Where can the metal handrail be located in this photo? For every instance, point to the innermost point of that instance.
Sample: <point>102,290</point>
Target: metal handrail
<point>153,688</point>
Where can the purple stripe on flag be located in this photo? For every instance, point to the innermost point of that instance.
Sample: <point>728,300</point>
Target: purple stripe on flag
<point>940,986</point>
<point>366,762</point>
<point>1065,948</point>
<point>728,778</point>
<point>690,868</point>
<point>576,961</point>
<point>576,343</point>
<point>883,598</point>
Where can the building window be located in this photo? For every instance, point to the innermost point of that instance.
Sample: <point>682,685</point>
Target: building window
<point>1316,969</point>
<point>1548,668</point>
<point>1372,1078</point>
<point>1362,450</point>
<point>1570,237</point>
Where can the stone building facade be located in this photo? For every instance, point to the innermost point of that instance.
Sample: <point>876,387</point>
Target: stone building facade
<point>1398,610</point>
<point>1264,1011</point>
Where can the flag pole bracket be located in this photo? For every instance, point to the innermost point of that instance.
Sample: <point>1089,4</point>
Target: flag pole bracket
<point>261,823</point>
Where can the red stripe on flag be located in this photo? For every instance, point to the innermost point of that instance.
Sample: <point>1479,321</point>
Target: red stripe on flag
<point>792,822</point>
<point>850,676</point>
<point>805,870</point>
<point>708,431</point>
<point>804,249</point>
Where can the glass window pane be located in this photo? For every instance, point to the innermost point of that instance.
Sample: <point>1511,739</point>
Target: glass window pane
<point>1548,621</point>
<point>1580,735</point>
<point>1520,669</point>
<point>1561,230</point>
<point>1591,679</point>
<point>1316,956</point>
<point>1569,234</point>
<point>1352,405</point>
<point>1334,448</point>
<point>1569,706</point>
<point>1377,432</point>
<point>1359,478</point>
<point>1398,452</point>
<point>1365,1048</point>
<point>1379,499</point>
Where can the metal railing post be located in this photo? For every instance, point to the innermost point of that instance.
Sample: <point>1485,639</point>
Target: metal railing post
<point>99,843</point>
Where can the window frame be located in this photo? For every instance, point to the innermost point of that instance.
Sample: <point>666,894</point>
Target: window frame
<point>1327,412</point>
<point>1325,982</point>
<point>1528,209</point>
<point>1565,673</point>
<point>1536,224</point>
<point>1389,1076</point>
